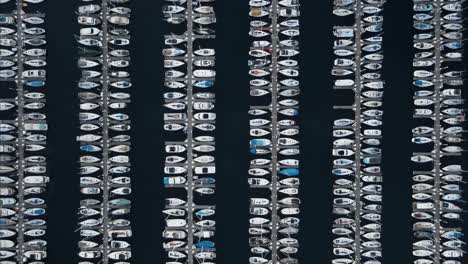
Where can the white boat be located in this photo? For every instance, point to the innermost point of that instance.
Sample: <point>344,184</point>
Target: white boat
<point>89,180</point>
<point>119,53</point>
<point>258,221</point>
<point>373,94</point>
<point>258,3</point>
<point>204,73</point>
<point>34,73</point>
<point>290,211</point>
<point>257,260</point>
<point>292,43</point>
<point>453,253</point>
<point>205,170</point>
<point>35,52</point>
<point>260,162</point>
<point>289,72</point>
<point>120,148</point>
<point>173,52</point>
<point>204,116</point>
<point>204,9</point>
<point>289,152</point>
<point>173,63</point>
<point>35,169</point>
<point>7,73</point>
<point>286,122</point>
<point>260,43</point>
<point>258,92</point>
<point>259,72</point>
<point>6,127</point>
<point>453,26</point>
<point>121,180</point>
<point>288,52</point>
<point>288,63</point>
<point>290,182</point>
<point>203,105</point>
<point>258,172</point>
<point>289,191</point>
<point>288,12</point>
<point>371,9</point>
<point>119,63</point>
<point>90,31</point>
<point>85,116</point>
<point>173,127</point>
<point>259,211</point>
<point>204,159</point>
<point>290,32</point>
<point>34,31</point>
<point>6,244</point>
<point>172,9</point>
<point>175,106</point>
<point>343,52</point>
<point>257,112</point>
<point>35,232</point>
<point>205,52</point>
<point>5,212</point>
<point>372,178</point>
<point>343,142</point>
<point>287,141</point>
<point>174,159</point>
<point>259,82</point>
<point>259,122</point>
<point>174,170</point>
<point>342,261</point>
<point>344,82</point>
<point>34,147</point>
<point>372,235</point>
<point>118,20</point>
<point>174,180</point>
<point>258,53</point>
<point>176,222</point>
<point>259,201</point>
<point>34,20</point>
<point>205,127</point>
<point>6,31</point>
<point>375,85</point>
<point>5,233</point>
<point>121,84</point>
<point>8,42</point>
<point>342,12</point>
<point>205,20</point>
<point>258,132</point>
<point>119,169</point>
<point>290,23</point>
<point>88,9</point>
<point>373,57</point>
<point>6,63</point>
<point>423,45</point>
<point>258,181</point>
<point>6,106</point>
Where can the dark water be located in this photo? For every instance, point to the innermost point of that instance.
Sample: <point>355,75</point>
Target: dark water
<point>232,131</point>
<point>62,106</point>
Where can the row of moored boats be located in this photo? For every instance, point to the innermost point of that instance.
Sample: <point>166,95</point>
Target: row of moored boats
<point>189,128</point>
<point>104,87</point>
<point>437,134</point>
<point>23,133</point>
<point>357,173</point>
<point>273,175</point>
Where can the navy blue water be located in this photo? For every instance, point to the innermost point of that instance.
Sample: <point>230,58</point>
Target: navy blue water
<point>232,131</point>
